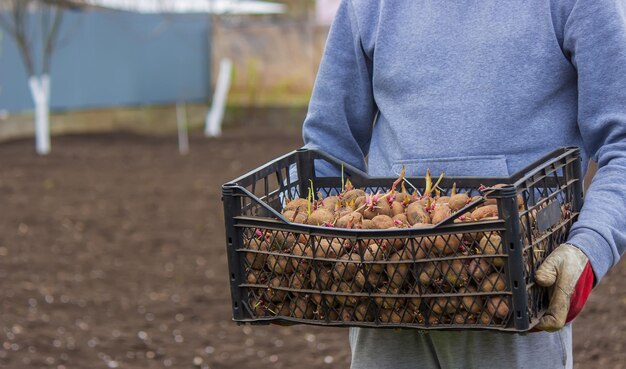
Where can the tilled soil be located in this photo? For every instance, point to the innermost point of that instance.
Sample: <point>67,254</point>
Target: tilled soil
<point>112,255</point>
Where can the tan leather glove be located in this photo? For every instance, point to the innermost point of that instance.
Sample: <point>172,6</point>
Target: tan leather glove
<point>562,271</point>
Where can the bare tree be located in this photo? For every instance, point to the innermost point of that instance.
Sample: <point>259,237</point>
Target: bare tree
<point>35,24</point>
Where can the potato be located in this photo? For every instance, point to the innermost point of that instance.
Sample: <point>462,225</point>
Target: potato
<point>282,309</point>
<point>416,250</point>
<point>321,280</point>
<point>498,307</point>
<point>391,245</point>
<point>472,237</point>
<point>463,317</point>
<point>416,301</point>
<point>446,244</point>
<point>485,318</point>
<point>441,212</point>
<point>279,264</point>
<point>472,304</point>
<point>341,212</point>
<point>491,244</point>
<point>433,320</point>
<point>458,201</point>
<point>295,217</point>
<point>484,212</point>
<point>367,224</point>
<point>397,208</point>
<point>362,313</point>
<point>429,273</point>
<point>424,201</point>
<point>331,203</point>
<point>401,219</point>
<point>478,268</point>
<point>386,302</point>
<point>383,222</point>
<point>299,259</point>
<point>321,217</point>
<point>359,203</point>
<point>415,213</point>
<point>258,306</point>
<point>454,272</point>
<point>320,299</point>
<point>381,207</point>
<point>301,308</point>
<point>490,201</point>
<point>373,279</point>
<point>318,314</point>
<point>350,220</point>
<point>283,241</point>
<point>441,305</point>
<point>346,268</point>
<point>324,248</point>
<point>352,195</point>
<point>255,277</point>
<point>346,290</point>
<point>299,280</point>
<point>301,204</point>
<point>372,252</point>
<point>347,314</point>
<point>257,260</point>
<point>493,283</point>
<point>397,272</point>
<point>395,316</point>
<point>402,196</point>
<point>273,294</point>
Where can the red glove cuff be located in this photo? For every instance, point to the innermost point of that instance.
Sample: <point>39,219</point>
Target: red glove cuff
<point>581,292</point>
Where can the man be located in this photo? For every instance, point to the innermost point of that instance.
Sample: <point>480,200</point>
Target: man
<point>482,88</point>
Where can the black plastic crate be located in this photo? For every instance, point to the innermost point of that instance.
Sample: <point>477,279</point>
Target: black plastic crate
<point>452,275</point>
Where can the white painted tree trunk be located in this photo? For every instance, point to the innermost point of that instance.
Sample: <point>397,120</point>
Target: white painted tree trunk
<point>40,90</point>
<point>213,126</point>
<point>181,122</point>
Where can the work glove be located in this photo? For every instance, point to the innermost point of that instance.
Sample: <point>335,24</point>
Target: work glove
<point>568,272</point>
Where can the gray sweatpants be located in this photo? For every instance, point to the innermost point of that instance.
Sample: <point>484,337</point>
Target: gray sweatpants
<point>404,349</point>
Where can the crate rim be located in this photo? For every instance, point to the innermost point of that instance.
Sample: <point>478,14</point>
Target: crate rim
<point>519,176</point>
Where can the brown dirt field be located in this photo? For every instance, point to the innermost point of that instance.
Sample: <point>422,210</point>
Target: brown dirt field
<point>112,254</point>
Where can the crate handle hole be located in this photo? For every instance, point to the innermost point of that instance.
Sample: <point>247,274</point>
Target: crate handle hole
<point>230,240</point>
<point>512,246</point>
<point>232,276</point>
<point>519,314</point>
<point>236,305</point>
<point>515,284</point>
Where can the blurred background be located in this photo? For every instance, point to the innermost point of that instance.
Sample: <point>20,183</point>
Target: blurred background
<point>112,251</point>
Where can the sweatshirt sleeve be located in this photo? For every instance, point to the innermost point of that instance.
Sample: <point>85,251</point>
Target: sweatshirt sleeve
<point>342,108</point>
<point>595,39</point>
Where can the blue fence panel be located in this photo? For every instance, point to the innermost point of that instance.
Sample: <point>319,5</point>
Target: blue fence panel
<point>109,58</point>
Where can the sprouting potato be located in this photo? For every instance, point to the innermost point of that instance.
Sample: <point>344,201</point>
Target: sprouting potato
<point>346,267</point>
<point>441,212</point>
<point>454,272</point>
<point>257,260</point>
<point>397,272</point>
<point>493,283</point>
<point>430,272</point>
<point>491,244</point>
<point>279,264</point>
<point>498,307</point>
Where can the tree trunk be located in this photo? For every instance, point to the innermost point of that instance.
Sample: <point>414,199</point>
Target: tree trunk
<point>213,125</point>
<point>40,91</point>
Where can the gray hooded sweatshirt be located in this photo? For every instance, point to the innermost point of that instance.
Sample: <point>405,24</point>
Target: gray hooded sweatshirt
<point>478,87</point>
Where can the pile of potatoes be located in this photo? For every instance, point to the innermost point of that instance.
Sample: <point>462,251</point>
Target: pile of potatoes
<point>439,279</point>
